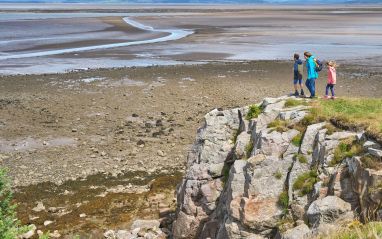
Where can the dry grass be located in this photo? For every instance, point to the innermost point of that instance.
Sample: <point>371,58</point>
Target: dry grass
<point>365,112</point>
<point>356,230</point>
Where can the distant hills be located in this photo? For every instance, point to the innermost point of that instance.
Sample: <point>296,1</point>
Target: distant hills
<point>201,1</point>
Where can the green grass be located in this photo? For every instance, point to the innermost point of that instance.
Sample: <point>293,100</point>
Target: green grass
<point>297,140</point>
<point>253,112</point>
<point>279,125</point>
<point>301,158</point>
<point>371,230</point>
<point>305,182</point>
<point>278,175</point>
<point>283,200</point>
<point>346,149</point>
<point>293,102</point>
<point>366,112</point>
<point>10,226</point>
<point>249,148</point>
<point>369,161</point>
<point>235,135</point>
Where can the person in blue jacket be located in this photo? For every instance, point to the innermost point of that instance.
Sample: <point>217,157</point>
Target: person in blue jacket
<point>297,74</point>
<point>312,73</point>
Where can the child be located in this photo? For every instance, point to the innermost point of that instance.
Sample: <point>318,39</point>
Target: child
<point>297,70</point>
<point>332,78</point>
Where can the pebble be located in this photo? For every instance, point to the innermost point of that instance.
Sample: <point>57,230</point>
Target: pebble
<point>74,130</point>
<point>47,222</point>
<point>40,207</point>
<point>82,215</point>
<point>160,153</point>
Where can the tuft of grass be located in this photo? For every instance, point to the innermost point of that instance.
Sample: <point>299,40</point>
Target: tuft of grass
<point>284,200</point>
<point>249,148</point>
<point>293,102</point>
<point>305,182</point>
<point>346,149</point>
<point>369,161</point>
<point>330,129</point>
<point>297,140</point>
<point>235,135</point>
<point>278,174</point>
<point>279,125</point>
<point>253,112</point>
<point>356,230</point>
<point>301,158</point>
<point>46,236</point>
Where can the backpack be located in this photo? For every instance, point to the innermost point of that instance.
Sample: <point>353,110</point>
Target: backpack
<point>319,65</point>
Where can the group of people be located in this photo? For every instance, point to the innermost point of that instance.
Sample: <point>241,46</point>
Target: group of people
<point>313,66</point>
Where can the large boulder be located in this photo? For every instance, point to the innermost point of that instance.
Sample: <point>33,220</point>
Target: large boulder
<point>328,210</point>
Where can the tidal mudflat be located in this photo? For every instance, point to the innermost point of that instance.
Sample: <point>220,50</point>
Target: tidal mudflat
<point>99,38</point>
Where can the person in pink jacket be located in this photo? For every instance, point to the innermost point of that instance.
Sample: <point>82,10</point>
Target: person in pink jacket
<point>332,79</point>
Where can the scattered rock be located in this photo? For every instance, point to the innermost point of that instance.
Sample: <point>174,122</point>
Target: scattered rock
<point>160,153</point>
<point>40,207</point>
<point>47,222</point>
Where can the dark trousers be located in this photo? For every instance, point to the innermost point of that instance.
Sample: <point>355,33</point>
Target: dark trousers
<point>331,87</point>
<point>311,85</point>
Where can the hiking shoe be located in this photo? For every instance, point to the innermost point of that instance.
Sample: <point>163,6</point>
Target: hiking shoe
<point>296,93</point>
<point>326,97</point>
<point>302,92</point>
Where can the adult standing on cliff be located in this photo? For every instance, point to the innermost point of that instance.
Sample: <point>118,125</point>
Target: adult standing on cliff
<point>311,72</point>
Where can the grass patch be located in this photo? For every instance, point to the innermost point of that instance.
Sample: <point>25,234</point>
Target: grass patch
<point>305,182</point>
<point>235,135</point>
<point>366,112</point>
<point>10,226</point>
<point>369,161</point>
<point>346,149</point>
<point>371,230</point>
<point>278,175</point>
<point>330,129</point>
<point>297,140</point>
<point>283,200</point>
<point>293,102</point>
<point>249,148</point>
<point>279,125</point>
<point>301,158</point>
<point>253,112</point>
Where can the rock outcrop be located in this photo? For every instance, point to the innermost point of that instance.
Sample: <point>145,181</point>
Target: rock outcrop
<point>275,176</point>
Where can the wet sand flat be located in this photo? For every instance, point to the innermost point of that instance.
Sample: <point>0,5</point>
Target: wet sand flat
<point>222,33</point>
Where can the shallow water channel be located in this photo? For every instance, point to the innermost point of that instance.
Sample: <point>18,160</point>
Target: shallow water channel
<point>91,206</point>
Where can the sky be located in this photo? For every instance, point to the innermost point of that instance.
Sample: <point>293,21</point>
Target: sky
<point>195,1</point>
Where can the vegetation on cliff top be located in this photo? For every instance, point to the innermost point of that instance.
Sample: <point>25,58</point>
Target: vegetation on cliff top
<point>253,112</point>
<point>356,230</point>
<point>351,113</point>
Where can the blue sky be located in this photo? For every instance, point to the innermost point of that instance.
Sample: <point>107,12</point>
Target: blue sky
<point>199,1</point>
